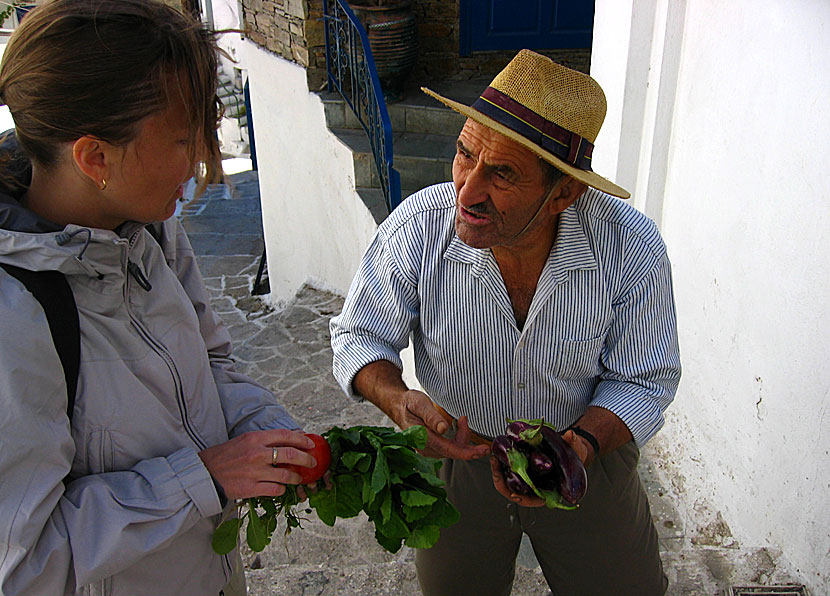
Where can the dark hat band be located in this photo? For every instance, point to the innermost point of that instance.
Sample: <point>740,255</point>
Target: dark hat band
<point>567,146</point>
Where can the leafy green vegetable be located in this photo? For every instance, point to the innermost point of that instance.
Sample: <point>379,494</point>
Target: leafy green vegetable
<point>374,469</point>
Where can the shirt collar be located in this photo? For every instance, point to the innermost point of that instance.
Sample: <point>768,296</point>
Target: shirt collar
<point>570,251</point>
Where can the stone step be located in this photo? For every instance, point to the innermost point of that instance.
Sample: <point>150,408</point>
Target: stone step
<point>424,137</point>
<point>417,115</point>
<point>373,199</point>
<point>420,159</point>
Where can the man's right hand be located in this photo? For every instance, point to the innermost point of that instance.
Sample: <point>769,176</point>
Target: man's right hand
<point>380,382</point>
<point>416,408</point>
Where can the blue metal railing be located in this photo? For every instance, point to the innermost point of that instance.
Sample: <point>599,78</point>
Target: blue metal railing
<point>351,71</point>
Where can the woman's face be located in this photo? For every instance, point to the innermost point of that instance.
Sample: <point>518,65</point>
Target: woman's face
<point>150,177</point>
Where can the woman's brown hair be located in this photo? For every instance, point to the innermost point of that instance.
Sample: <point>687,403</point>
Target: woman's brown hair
<point>99,67</point>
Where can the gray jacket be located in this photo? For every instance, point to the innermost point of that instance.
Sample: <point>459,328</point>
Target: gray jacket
<point>156,385</point>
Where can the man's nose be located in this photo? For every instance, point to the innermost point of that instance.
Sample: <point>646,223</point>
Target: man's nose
<point>475,188</point>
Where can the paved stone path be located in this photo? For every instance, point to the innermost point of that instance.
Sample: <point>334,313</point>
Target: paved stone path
<point>288,351</point>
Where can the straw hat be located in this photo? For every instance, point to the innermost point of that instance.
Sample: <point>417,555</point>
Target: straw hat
<point>552,110</point>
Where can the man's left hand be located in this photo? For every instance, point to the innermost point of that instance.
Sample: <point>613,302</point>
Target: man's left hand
<point>582,447</point>
<point>501,486</point>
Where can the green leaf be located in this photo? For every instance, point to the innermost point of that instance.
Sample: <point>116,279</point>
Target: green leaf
<point>402,459</point>
<point>395,527</point>
<point>349,495</point>
<point>413,514</point>
<point>380,475</point>
<point>366,494</point>
<point>373,440</point>
<point>393,545</point>
<point>415,498</point>
<point>343,500</point>
<point>424,537</point>
<point>270,523</point>
<point>356,460</point>
<point>324,502</point>
<point>443,514</point>
<point>553,500</point>
<point>269,506</point>
<point>518,463</point>
<point>417,435</point>
<point>226,536</point>
<point>386,506</point>
<point>256,532</point>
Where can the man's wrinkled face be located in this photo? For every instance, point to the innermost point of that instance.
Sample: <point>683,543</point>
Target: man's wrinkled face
<point>499,185</point>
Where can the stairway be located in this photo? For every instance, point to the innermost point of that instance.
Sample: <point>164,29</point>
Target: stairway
<point>424,137</point>
<point>233,130</point>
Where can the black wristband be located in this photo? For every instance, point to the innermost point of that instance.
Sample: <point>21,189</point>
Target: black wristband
<point>587,436</point>
<point>220,492</point>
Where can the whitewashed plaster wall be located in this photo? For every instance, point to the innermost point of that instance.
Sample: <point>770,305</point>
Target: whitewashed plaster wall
<point>6,121</point>
<point>316,226</point>
<point>719,124</point>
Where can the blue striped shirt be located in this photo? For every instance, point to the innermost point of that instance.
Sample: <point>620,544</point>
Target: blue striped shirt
<point>600,331</point>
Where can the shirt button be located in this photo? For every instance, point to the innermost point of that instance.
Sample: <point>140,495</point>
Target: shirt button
<point>520,385</point>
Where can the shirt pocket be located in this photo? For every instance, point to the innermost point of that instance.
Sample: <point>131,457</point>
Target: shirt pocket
<point>578,358</point>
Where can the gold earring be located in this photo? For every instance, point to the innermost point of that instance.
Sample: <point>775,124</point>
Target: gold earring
<point>103,184</point>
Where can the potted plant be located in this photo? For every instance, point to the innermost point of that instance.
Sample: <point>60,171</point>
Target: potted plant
<point>393,37</point>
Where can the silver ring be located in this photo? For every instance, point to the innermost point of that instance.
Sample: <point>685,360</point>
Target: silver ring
<point>274,457</point>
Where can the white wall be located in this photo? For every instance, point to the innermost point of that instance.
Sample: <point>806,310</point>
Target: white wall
<point>725,148</point>
<point>6,121</point>
<point>316,226</point>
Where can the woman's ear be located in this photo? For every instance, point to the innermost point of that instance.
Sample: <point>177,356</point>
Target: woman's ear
<point>93,158</point>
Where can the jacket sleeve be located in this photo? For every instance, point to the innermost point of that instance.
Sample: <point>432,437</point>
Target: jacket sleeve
<point>54,539</point>
<point>247,405</point>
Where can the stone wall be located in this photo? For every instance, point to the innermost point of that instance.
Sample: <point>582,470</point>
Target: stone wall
<point>294,30</point>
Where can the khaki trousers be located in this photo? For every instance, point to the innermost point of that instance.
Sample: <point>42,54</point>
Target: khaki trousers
<point>606,547</point>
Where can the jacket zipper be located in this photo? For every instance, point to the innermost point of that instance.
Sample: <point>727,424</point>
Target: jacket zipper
<point>161,351</point>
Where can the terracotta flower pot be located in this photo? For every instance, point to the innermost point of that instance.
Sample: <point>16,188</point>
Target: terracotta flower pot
<point>393,37</point>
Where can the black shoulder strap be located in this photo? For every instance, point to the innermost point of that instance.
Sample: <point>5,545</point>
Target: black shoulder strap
<point>51,289</point>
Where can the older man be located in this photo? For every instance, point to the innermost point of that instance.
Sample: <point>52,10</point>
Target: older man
<point>528,291</point>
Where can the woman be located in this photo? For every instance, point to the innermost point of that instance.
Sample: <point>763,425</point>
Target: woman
<point>114,105</point>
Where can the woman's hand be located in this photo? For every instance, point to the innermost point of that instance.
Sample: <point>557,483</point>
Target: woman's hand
<point>244,466</point>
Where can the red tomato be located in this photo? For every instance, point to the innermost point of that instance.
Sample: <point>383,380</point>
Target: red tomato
<point>321,452</point>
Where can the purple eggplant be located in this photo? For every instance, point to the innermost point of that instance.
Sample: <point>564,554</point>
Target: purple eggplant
<point>573,481</point>
<point>516,484</point>
<point>540,464</point>
<point>516,427</point>
<point>499,448</point>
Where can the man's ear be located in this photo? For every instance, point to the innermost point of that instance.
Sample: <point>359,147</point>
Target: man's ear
<point>566,191</point>
<point>93,158</point>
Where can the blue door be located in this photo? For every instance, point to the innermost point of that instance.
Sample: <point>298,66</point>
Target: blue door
<point>517,24</point>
